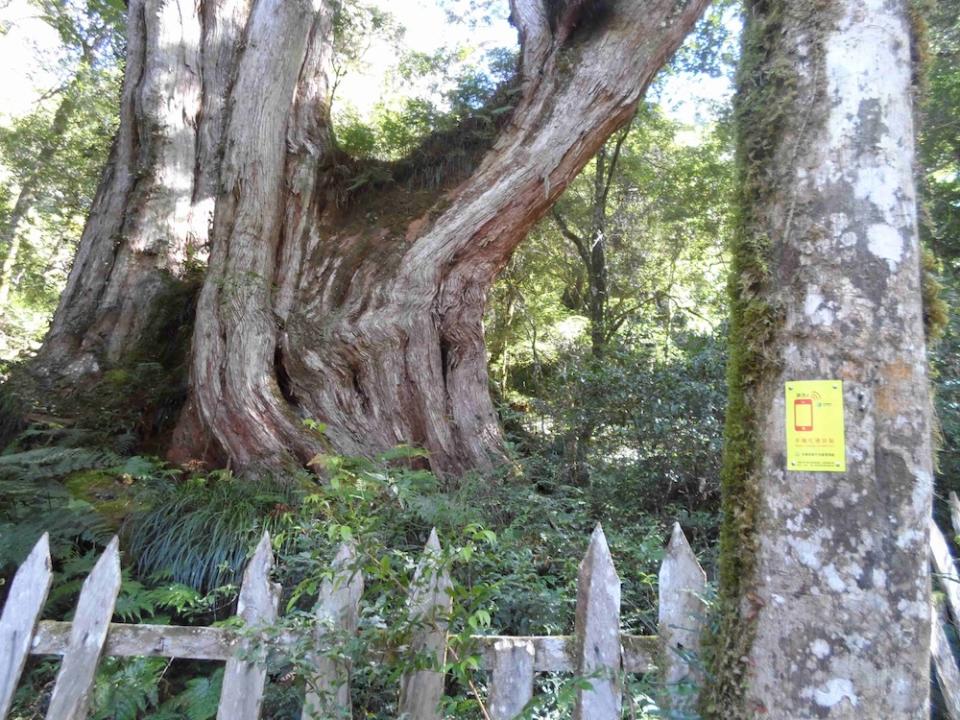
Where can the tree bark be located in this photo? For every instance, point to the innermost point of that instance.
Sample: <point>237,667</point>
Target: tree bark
<point>361,312</point>
<point>149,219</point>
<point>824,575</point>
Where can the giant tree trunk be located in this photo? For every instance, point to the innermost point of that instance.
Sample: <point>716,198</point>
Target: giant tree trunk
<point>824,576</point>
<point>363,313</point>
<point>150,217</point>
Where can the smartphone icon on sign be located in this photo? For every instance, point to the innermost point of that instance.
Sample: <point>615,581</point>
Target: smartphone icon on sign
<point>803,414</point>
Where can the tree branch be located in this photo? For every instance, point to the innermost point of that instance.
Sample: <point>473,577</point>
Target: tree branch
<point>615,159</point>
<point>530,19</point>
<point>570,235</point>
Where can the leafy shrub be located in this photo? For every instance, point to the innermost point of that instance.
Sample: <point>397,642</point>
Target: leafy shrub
<point>512,552</point>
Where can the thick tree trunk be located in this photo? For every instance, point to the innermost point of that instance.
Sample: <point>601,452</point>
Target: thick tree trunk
<point>150,217</point>
<point>373,325</point>
<point>824,575</point>
<point>363,313</point>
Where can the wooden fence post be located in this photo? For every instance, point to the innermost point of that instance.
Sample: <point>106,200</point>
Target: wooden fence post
<point>429,604</point>
<point>28,592</point>
<point>243,680</point>
<point>597,631</point>
<point>511,677</point>
<point>681,614</point>
<point>337,611</point>
<point>88,633</point>
<point>944,664</point>
<point>954,503</point>
<point>945,568</point>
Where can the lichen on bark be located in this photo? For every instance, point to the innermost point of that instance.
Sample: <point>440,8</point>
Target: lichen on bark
<point>822,574</point>
<point>766,102</point>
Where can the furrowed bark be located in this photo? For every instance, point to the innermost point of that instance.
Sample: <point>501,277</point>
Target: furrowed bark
<point>224,23</point>
<point>382,334</point>
<point>138,236</point>
<point>235,390</point>
<point>824,575</point>
<point>365,315</point>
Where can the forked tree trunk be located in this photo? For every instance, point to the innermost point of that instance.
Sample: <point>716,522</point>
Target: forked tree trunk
<point>824,574</point>
<point>366,318</point>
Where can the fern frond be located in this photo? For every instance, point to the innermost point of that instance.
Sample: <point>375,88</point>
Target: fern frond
<point>52,462</point>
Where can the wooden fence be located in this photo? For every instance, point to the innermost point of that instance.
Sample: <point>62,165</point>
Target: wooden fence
<point>597,651</point>
<point>944,618</point>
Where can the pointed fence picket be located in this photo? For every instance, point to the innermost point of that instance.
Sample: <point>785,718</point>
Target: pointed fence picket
<point>681,616</point>
<point>944,664</point>
<point>598,652</point>
<point>88,633</point>
<point>28,592</point>
<point>244,679</point>
<point>511,677</point>
<point>338,608</point>
<point>597,629</point>
<point>430,603</point>
<point>945,572</point>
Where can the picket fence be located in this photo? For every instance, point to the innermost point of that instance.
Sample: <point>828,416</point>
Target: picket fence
<point>597,651</point>
<point>947,616</point>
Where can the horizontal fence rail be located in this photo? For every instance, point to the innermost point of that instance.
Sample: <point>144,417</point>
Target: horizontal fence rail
<point>597,651</point>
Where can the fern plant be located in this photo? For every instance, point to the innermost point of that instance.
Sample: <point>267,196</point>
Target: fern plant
<point>127,687</point>
<point>33,501</point>
<point>46,463</point>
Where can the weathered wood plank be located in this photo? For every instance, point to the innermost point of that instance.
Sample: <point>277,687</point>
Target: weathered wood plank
<point>945,665</point>
<point>511,677</point>
<point>429,605</point>
<point>553,653</point>
<point>954,503</point>
<point>243,681</point>
<point>88,632</point>
<point>131,640</point>
<point>597,632</point>
<point>945,568</point>
<point>681,614</point>
<point>25,599</point>
<point>337,612</point>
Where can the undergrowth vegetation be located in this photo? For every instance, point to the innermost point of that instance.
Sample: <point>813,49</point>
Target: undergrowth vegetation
<point>512,550</point>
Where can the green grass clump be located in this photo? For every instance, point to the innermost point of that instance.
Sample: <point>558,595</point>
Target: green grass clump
<point>198,531</point>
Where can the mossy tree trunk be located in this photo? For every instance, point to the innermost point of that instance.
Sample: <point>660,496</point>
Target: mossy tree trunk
<point>824,576</point>
<point>363,313</point>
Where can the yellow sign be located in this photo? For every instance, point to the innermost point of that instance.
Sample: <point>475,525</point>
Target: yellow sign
<point>815,441</point>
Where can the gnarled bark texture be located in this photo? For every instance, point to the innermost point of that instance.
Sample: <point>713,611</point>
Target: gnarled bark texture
<point>827,573</point>
<point>363,313</point>
<point>150,216</point>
